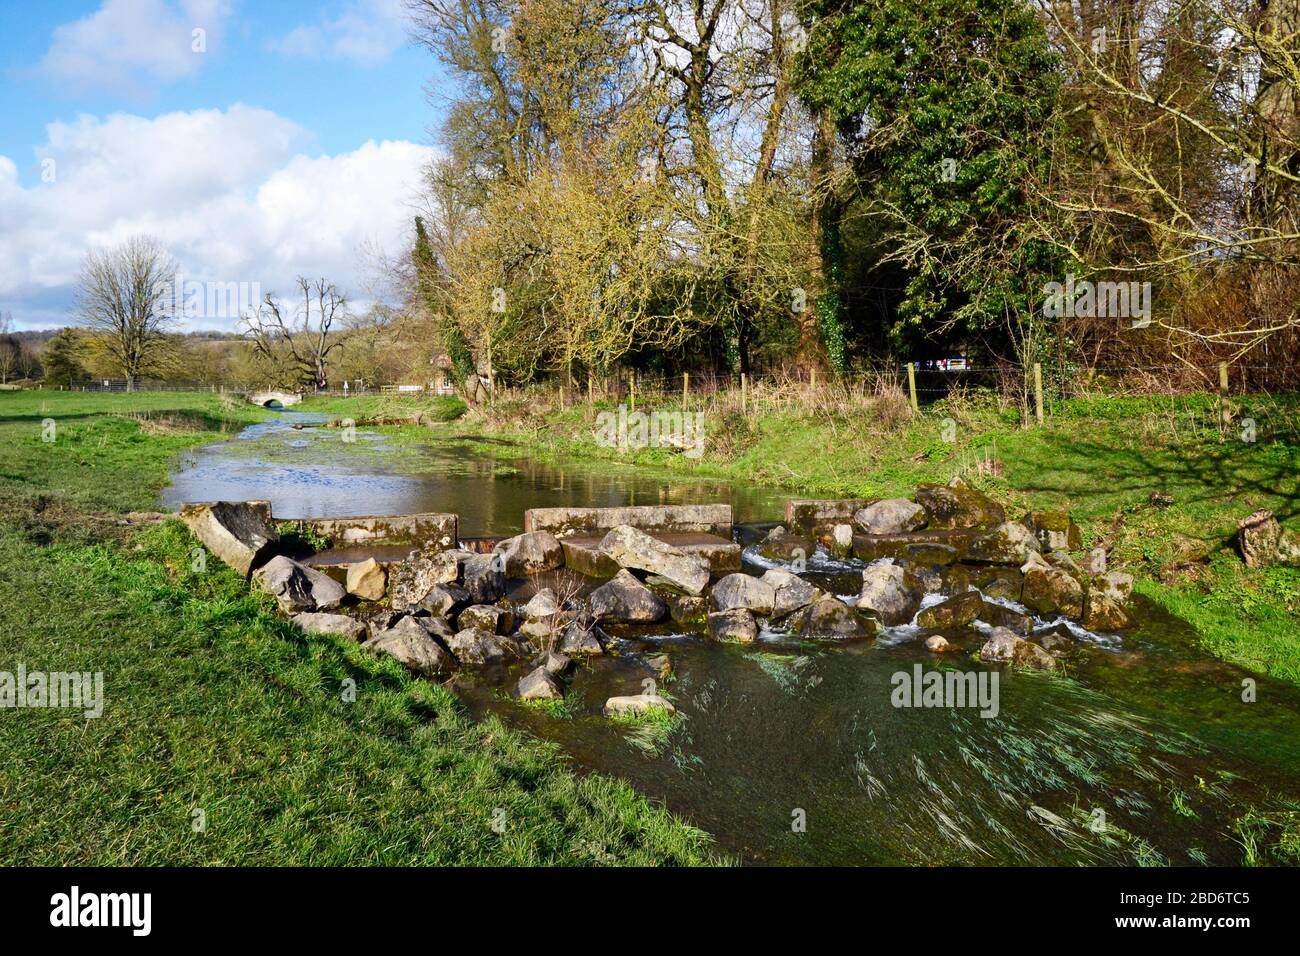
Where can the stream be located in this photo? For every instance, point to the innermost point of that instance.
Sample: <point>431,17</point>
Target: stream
<point>1142,752</point>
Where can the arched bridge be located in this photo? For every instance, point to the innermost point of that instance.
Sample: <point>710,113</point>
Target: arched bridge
<point>273,397</point>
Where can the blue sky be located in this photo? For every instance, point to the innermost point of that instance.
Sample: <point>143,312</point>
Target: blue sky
<point>113,125</point>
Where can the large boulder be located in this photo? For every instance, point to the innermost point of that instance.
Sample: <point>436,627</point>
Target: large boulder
<point>297,587</point>
<point>999,615</point>
<point>539,684</point>
<point>830,619</point>
<point>789,591</point>
<point>409,581</point>
<point>542,606</point>
<point>240,533</point>
<point>737,626</point>
<point>1055,530</point>
<point>956,612</point>
<point>1101,613</point>
<point>1004,647</point>
<point>890,592</point>
<point>625,600</point>
<point>638,704</point>
<point>443,600</point>
<point>1009,543</point>
<point>841,541</point>
<point>744,590</point>
<point>411,644</point>
<point>339,624</point>
<point>487,617</point>
<point>782,545</point>
<point>530,553</point>
<point>1264,542</point>
<point>1116,585</point>
<point>1051,590</point>
<point>958,506</point>
<point>483,577</point>
<point>583,639</point>
<point>367,580</point>
<point>891,516</point>
<point>474,646</point>
<point>633,548</point>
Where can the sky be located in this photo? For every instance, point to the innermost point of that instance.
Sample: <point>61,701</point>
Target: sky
<point>257,140</point>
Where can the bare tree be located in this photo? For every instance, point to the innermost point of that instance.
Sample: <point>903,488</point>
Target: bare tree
<point>10,350</point>
<point>297,344</point>
<point>128,294</point>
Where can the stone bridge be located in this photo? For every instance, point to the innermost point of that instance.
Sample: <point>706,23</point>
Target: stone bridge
<point>271,396</point>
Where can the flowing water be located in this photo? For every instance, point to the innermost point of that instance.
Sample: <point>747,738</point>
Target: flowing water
<point>1143,751</point>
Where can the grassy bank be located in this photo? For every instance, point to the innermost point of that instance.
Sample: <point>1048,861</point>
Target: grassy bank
<point>214,704</point>
<point>1151,479</point>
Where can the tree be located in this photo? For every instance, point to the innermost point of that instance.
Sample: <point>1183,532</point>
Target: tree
<point>61,359</point>
<point>127,294</point>
<point>11,352</point>
<point>295,345</point>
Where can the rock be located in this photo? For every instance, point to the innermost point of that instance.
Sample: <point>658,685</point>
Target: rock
<point>1056,644</point>
<point>438,628</point>
<point>1055,530</point>
<point>1008,543</point>
<point>841,543</point>
<point>539,684</point>
<point>483,578</point>
<point>530,553</point>
<point>936,644</point>
<point>948,506</point>
<point>542,606</point>
<point>661,665</point>
<point>625,600</point>
<point>782,545</point>
<point>409,581</point>
<point>1049,590</point>
<point>444,600</point>
<point>1094,562</point>
<point>633,548</point>
<point>1000,616</point>
<point>686,609</point>
<point>413,646</point>
<point>297,587</point>
<point>487,617</point>
<point>1263,542</point>
<point>240,533</point>
<point>1006,584</point>
<point>555,664</point>
<point>1115,585</point>
<point>891,516</point>
<point>830,619</point>
<point>956,612</point>
<point>367,580</point>
<point>638,704</point>
<point>583,639</point>
<point>1103,614</point>
<point>474,646</point>
<point>339,624</point>
<point>890,592</point>
<point>1029,654</point>
<point>737,625</point>
<point>1000,647</point>
<point>744,591</point>
<point>790,592</point>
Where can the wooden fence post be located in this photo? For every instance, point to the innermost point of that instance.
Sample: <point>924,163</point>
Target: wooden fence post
<point>1225,413</point>
<point>631,392</point>
<point>1038,391</point>
<point>590,398</point>
<point>911,385</point>
<point>686,389</point>
<point>744,395</point>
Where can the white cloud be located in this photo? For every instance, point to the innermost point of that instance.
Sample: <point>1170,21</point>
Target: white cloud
<point>367,33</point>
<point>230,193</point>
<point>127,44</point>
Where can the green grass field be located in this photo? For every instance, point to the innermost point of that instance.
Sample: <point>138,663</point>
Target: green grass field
<point>214,704</point>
